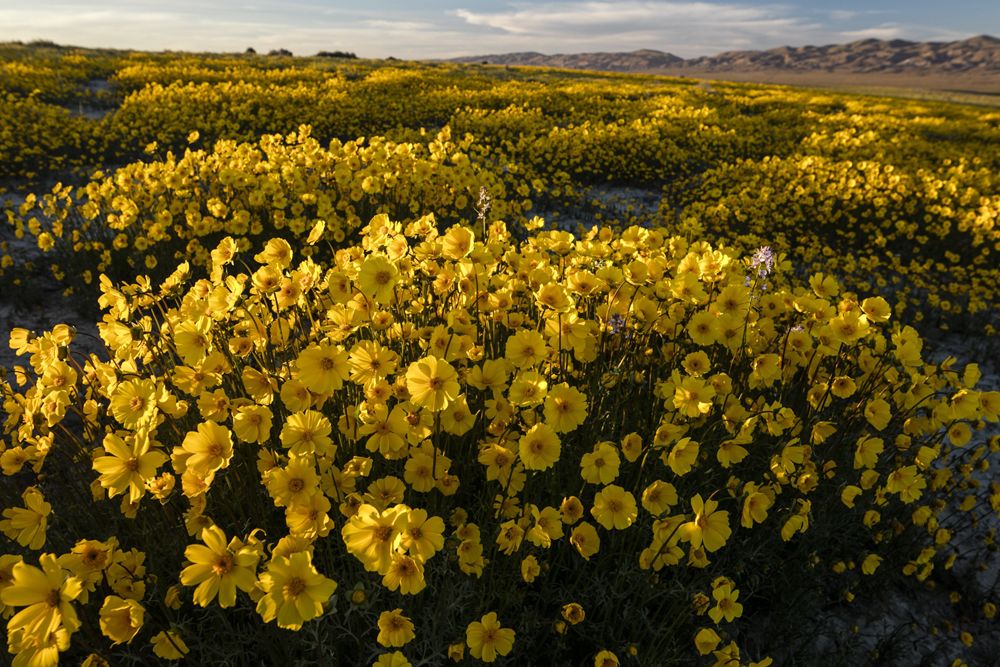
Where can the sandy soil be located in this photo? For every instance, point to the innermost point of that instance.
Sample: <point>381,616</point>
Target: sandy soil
<point>42,308</point>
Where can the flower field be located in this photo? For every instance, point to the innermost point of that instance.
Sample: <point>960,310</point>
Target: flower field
<point>421,364</point>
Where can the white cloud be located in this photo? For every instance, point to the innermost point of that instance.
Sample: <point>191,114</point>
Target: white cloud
<point>878,32</point>
<point>216,28</point>
<point>907,32</point>
<point>686,27</point>
<point>604,16</point>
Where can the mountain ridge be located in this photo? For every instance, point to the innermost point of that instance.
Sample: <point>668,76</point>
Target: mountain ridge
<point>975,55</point>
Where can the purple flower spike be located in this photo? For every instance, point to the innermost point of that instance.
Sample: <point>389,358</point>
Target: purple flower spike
<point>763,261</point>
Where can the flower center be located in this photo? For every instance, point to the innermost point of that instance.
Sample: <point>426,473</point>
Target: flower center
<point>295,587</point>
<point>54,598</point>
<point>223,564</point>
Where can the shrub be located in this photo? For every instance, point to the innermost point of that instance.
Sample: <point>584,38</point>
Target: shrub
<point>622,446</point>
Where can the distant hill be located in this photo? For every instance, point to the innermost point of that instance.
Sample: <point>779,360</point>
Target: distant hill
<point>977,55</point>
<point>633,61</point>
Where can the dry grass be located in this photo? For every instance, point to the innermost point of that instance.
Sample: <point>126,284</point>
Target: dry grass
<point>959,88</point>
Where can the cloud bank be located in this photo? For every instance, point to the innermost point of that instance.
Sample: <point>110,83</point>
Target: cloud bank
<point>381,28</point>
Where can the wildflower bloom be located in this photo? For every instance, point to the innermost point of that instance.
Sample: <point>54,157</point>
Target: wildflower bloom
<point>307,432</point>
<point>658,497</point>
<point>703,328</point>
<point>755,507</point>
<point>218,568</point>
<point>726,605</point>
<point>683,456</point>
<point>706,641</point>
<point>310,518</point>
<point>387,430</point>
<point>487,639</point>
<point>526,349</point>
<point>876,309</point>
<point>394,629</point>
<point>192,340</point>
<point>573,613</point>
<point>210,448</point>
<point>134,402</point>
<point>696,364</point>
<point>878,413</point>
<point>27,525</point>
<point>322,368</point>
<point>907,482</point>
<point>378,278</point>
<point>762,261</point>
<point>128,467</point>
<point>601,465</point>
<point>539,448</point>
<point>871,563</point>
<point>457,242</point>
<point>528,389</point>
<point>373,535</point>
<point>867,451</point>
<point>530,569</point>
<point>456,651</point>
<point>423,535</point>
<point>45,594</point>
<point>294,591</point>
<point>548,526</point>
<point>369,361</point>
<point>252,423</point>
<point>631,446</point>
<point>709,527</point>
<point>605,658</point>
<point>169,645</point>
<point>405,574</point>
<point>849,494</point>
<point>693,397</point>
<point>121,619</point>
<point>276,251</point>
<point>394,659</point>
<point>294,483</point>
<point>614,507</point>
<point>586,540</point>
<point>432,383</point>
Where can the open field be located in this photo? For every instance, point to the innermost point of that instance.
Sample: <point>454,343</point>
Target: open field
<point>958,88</point>
<point>382,362</point>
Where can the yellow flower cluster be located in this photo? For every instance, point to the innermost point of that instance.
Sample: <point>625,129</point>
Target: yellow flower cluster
<point>441,437</point>
<point>57,76</point>
<point>895,197</point>
<point>928,239</point>
<point>37,138</point>
<point>431,416</point>
<point>142,70</point>
<point>181,207</point>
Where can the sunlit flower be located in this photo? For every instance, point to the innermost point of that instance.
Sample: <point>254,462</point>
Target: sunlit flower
<point>487,639</point>
<point>294,592</point>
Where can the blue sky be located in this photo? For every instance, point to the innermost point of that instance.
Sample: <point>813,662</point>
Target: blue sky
<point>439,29</point>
